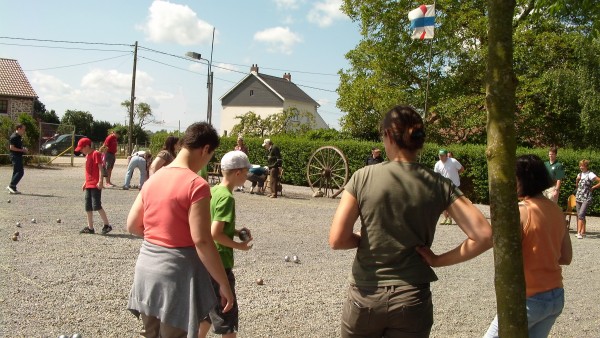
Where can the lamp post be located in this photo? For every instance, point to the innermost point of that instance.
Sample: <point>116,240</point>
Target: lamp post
<point>209,80</point>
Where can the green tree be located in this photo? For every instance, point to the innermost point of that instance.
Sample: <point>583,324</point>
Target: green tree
<point>99,131</point>
<point>289,121</point>
<point>82,121</point>
<point>32,132</point>
<point>139,135</point>
<point>142,113</point>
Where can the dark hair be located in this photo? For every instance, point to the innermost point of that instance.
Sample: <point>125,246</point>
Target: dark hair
<point>405,126</point>
<point>532,176</point>
<point>19,126</point>
<point>200,134</point>
<point>553,150</point>
<point>170,144</point>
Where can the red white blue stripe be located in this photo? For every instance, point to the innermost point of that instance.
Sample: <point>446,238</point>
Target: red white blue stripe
<point>422,20</point>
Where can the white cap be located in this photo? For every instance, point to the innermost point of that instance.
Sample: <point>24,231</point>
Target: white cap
<point>266,141</point>
<point>235,160</point>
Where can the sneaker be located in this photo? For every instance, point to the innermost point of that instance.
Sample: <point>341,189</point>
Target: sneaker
<point>11,190</point>
<point>87,230</point>
<point>106,229</point>
<point>125,187</point>
<point>579,236</point>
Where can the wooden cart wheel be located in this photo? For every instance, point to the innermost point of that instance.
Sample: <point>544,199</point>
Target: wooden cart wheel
<point>327,171</point>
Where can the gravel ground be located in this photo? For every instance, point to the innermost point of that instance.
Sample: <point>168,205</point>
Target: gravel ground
<point>56,281</point>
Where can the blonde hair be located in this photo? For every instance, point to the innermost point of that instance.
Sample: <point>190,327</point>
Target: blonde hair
<point>585,163</point>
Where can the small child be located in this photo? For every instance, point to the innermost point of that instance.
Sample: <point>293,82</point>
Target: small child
<point>234,165</point>
<point>92,186</point>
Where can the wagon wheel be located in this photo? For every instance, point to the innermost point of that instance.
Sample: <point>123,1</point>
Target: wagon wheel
<point>327,171</point>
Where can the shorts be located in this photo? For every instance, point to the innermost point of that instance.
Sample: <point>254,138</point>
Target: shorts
<point>390,311</point>
<point>224,323</point>
<point>109,162</point>
<point>93,198</point>
<point>582,209</point>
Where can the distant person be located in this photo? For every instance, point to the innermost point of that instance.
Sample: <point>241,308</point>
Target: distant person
<point>583,196</point>
<point>398,204</point>
<point>234,165</point>
<point>241,146</point>
<point>92,186</point>
<point>139,160</point>
<point>172,288</point>
<point>375,157</point>
<point>257,175</point>
<point>449,168</point>
<point>17,150</point>
<point>166,155</point>
<point>450,154</point>
<point>557,174</point>
<point>274,163</point>
<point>546,246</point>
<point>111,142</point>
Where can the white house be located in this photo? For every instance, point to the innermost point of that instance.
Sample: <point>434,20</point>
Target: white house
<point>266,95</point>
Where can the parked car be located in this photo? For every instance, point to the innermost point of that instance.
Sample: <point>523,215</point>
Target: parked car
<point>60,144</point>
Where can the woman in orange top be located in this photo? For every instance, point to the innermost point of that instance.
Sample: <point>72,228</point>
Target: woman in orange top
<point>546,246</point>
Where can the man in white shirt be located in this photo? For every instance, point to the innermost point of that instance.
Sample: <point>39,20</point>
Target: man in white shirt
<point>449,168</point>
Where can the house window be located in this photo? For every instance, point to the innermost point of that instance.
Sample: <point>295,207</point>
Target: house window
<point>295,117</point>
<point>251,92</point>
<point>3,106</point>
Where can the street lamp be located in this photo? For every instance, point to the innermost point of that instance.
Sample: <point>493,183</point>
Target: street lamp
<point>198,56</point>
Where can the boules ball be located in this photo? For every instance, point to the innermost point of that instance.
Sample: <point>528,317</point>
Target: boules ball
<point>16,234</point>
<point>63,336</point>
<point>19,224</point>
<point>76,335</point>
<point>58,220</point>
<point>33,220</point>
<point>260,281</point>
<point>286,258</point>
<point>295,259</point>
<point>8,201</point>
<point>15,238</point>
<point>243,235</point>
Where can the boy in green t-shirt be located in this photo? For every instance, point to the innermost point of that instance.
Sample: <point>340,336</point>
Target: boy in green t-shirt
<point>234,166</point>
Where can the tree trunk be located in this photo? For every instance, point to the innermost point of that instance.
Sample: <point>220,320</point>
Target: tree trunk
<point>501,150</point>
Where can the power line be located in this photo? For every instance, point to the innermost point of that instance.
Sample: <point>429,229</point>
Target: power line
<point>78,64</point>
<point>64,41</point>
<point>62,47</point>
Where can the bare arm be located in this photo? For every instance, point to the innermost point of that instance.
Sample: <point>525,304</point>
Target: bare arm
<point>479,235</point>
<point>566,250</point>
<point>200,228</point>
<point>340,234</point>
<point>100,183</point>
<point>135,219</point>
<point>219,236</point>
<point>595,186</point>
<point>156,164</point>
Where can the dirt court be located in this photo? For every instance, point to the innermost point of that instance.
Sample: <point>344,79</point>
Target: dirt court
<point>56,281</point>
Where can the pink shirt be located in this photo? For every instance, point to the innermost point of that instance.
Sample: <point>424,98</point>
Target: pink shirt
<point>168,196</point>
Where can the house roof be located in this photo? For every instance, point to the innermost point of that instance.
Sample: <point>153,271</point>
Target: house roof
<point>13,81</point>
<point>281,87</point>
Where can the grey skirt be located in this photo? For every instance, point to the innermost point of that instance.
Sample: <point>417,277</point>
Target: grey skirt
<point>173,285</point>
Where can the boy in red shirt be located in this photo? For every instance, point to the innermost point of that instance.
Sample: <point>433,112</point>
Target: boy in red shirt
<point>92,186</point>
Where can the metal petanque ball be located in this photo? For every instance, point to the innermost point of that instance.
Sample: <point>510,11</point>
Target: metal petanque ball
<point>63,336</point>
<point>286,258</point>
<point>16,234</point>
<point>260,281</point>
<point>8,201</point>
<point>296,259</point>
<point>243,235</point>
<point>33,220</point>
<point>58,220</point>
<point>15,238</point>
<point>76,335</point>
<point>19,224</point>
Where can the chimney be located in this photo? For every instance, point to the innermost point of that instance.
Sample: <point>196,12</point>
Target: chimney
<point>287,76</point>
<point>254,69</point>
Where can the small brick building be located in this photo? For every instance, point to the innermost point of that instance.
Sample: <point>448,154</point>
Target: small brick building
<point>16,94</point>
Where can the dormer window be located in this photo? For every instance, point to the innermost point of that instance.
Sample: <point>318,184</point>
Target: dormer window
<point>251,92</point>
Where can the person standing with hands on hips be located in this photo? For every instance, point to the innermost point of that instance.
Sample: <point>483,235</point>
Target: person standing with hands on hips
<point>274,163</point>
<point>583,197</point>
<point>557,174</point>
<point>17,150</point>
<point>234,165</point>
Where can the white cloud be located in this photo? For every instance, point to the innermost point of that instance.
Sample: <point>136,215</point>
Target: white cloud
<point>323,102</point>
<point>325,12</point>
<point>278,39</point>
<point>169,22</point>
<point>286,4</point>
<point>223,68</point>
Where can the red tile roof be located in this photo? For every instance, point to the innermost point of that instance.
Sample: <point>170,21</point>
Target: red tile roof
<point>13,81</point>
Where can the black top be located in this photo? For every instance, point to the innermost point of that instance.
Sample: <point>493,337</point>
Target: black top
<point>16,141</point>
<point>373,160</point>
<point>274,157</point>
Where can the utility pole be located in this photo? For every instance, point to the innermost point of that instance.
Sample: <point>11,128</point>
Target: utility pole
<point>132,107</point>
<point>210,80</point>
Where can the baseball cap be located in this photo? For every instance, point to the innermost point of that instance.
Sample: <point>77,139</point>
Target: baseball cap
<point>82,143</point>
<point>235,160</point>
<point>443,152</point>
<point>266,141</point>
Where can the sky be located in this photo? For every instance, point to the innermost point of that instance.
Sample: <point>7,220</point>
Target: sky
<point>307,39</point>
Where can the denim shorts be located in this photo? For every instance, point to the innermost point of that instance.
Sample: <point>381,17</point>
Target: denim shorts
<point>542,310</point>
<point>93,199</point>
<point>388,311</point>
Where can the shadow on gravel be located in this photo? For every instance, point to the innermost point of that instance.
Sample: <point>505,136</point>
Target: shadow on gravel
<point>39,195</point>
<point>130,236</point>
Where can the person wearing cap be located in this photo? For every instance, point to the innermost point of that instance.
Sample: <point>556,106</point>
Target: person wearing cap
<point>449,168</point>
<point>274,163</point>
<point>92,186</point>
<point>375,157</point>
<point>235,166</point>
<point>111,142</point>
<point>139,160</point>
